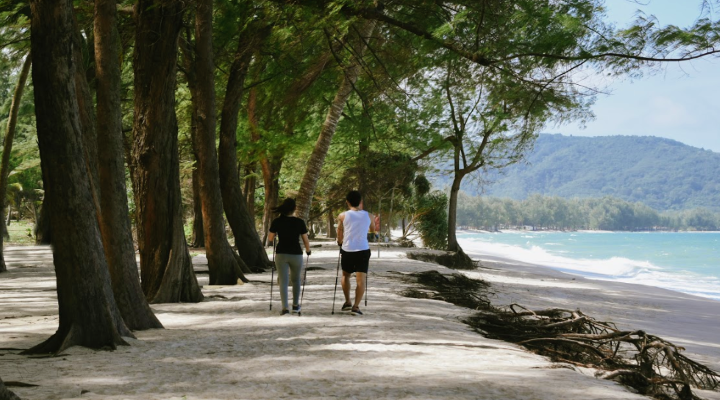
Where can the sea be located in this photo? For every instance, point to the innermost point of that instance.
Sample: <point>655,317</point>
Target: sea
<point>687,262</point>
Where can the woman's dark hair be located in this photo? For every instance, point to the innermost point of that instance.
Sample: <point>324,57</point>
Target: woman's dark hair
<point>286,208</point>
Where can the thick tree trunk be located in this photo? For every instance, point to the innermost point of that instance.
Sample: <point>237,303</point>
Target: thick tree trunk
<point>166,269</point>
<point>222,263</point>
<point>6,394</point>
<point>87,120</point>
<point>8,142</point>
<point>115,221</point>
<point>87,309</point>
<point>241,221</point>
<point>317,158</point>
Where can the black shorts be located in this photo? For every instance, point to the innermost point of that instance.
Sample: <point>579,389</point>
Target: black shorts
<point>355,261</point>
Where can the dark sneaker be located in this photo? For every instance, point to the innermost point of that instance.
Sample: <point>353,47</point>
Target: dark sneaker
<point>356,311</point>
<point>347,307</point>
<point>283,312</point>
<point>296,309</point>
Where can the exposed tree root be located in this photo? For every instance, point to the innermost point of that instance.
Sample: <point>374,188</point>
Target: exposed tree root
<point>647,363</point>
<point>6,394</point>
<point>450,259</point>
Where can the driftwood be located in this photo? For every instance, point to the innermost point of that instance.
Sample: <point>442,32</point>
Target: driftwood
<point>651,365</point>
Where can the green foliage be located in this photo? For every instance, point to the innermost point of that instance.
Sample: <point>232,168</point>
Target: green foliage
<point>422,185</point>
<point>431,216</point>
<point>607,213</point>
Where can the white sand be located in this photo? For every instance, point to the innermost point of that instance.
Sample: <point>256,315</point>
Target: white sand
<point>402,348</point>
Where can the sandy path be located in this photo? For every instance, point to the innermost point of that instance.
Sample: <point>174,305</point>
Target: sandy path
<point>235,348</point>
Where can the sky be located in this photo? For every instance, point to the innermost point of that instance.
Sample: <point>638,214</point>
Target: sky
<point>681,102</point>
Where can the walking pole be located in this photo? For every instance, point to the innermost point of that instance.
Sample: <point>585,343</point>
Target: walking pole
<point>302,292</point>
<point>337,273</point>
<point>272,274</point>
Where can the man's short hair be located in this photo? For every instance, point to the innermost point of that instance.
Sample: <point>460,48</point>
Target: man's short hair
<point>354,198</point>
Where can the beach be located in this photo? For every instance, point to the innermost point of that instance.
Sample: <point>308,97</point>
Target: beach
<point>231,346</point>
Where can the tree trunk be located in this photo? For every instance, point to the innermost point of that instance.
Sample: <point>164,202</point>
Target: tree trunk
<point>87,310</point>
<point>249,190</point>
<point>198,234</point>
<point>222,263</point>
<point>42,228</point>
<point>87,121</point>
<point>452,213</point>
<point>166,269</point>
<point>6,394</point>
<point>269,169</point>
<point>271,178</point>
<point>317,158</point>
<point>115,221</point>
<point>7,144</point>
<point>241,221</point>
<point>363,160</point>
<point>331,233</point>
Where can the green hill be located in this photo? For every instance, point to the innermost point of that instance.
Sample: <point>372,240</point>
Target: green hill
<point>662,173</point>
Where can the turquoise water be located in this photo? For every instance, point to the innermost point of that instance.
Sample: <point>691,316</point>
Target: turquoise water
<point>684,262</point>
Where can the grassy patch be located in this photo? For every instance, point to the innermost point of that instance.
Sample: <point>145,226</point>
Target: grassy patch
<point>21,233</point>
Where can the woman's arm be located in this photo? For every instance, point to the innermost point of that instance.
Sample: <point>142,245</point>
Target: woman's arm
<point>271,237</point>
<point>306,242</point>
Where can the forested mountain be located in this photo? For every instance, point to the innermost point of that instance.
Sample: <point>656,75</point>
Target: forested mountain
<point>661,173</point>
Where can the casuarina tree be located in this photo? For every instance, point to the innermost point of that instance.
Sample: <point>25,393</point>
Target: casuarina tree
<point>88,313</point>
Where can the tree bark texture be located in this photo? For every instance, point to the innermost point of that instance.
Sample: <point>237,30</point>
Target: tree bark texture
<point>241,221</point>
<point>188,60</point>
<point>87,118</point>
<point>222,264</point>
<point>249,189</point>
<point>8,142</point>
<point>115,221</point>
<point>167,274</point>
<point>6,394</point>
<point>198,233</point>
<point>452,212</point>
<point>271,178</point>
<point>317,158</point>
<point>87,310</point>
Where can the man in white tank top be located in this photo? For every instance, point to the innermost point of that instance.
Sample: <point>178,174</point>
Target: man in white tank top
<point>352,230</point>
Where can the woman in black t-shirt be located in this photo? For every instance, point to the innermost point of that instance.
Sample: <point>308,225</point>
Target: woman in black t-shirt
<point>288,254</point>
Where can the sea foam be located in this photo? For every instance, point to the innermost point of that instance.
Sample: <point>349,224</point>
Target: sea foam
<point>616,268</point>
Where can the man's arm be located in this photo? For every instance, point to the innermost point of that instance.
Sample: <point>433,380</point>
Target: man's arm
<point>340,228</point>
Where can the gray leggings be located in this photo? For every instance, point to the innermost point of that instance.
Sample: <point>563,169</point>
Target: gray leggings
<point>289,264</point>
